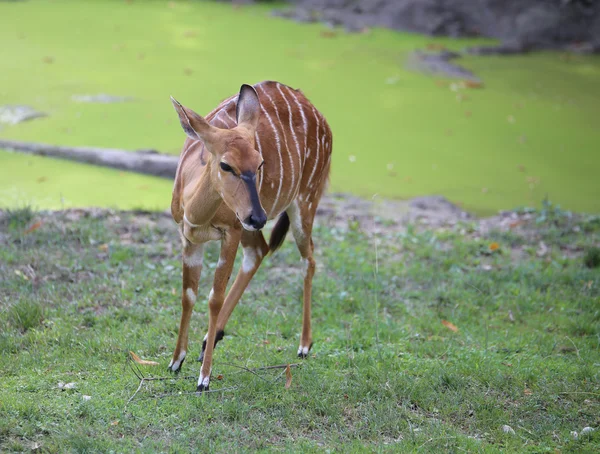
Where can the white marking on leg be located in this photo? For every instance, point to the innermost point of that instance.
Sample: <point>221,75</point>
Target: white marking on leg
<point>303,351</point>
<point>195,258</point>
<point>187,221</point>
<point>211,294</point>
<point>293,212</point>
<point>191,295</point>
<point>250,259</point>
<point>306,266</point>
<point>174,365</point>
<point>221,262</point>
<point>204,381</point>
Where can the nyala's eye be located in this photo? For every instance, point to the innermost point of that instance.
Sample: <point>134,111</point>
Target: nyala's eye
<point>226,167</point>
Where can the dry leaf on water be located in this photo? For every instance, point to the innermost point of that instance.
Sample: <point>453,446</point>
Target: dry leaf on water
<point>288,377</point>
<point>450,326</point>
<point>141,361</point>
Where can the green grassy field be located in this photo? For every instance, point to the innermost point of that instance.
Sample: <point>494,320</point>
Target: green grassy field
<point>385,375</point>
<point>531,131</point>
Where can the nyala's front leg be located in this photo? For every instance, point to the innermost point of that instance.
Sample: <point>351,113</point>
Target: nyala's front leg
<point>192,267</point>
<point>229,245</point>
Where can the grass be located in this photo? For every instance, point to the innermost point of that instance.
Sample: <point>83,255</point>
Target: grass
<point>387,373</point>
<point>530,133</point>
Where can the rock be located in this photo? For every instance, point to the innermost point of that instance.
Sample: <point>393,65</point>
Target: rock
<point>586,430</point>
<point>17,114</point>
<point>508,430</point>
<point>439,64</point>
<point>523,24</point>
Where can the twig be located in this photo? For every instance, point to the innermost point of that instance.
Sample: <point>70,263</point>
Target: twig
<point>246,369</point>
<point>580,392</point>
<point>136,391</point>
<point>576,349</point>
<point>220,390</point>
<point>280,366</point>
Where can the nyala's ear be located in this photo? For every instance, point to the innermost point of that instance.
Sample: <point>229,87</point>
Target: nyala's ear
<point>193,124</point>
<point>248,108</point>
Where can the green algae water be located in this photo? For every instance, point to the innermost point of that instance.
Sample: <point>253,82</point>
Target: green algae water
<point>532,131</point>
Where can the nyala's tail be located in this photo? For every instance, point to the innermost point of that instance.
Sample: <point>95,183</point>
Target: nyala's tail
<point>279,232</point>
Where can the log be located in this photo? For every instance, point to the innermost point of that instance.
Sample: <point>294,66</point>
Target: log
<point>147,162</point>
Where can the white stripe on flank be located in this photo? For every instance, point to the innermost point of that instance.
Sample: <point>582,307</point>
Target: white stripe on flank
<point>220,106</point>
<point>233,120</point>
<point>293,133</point>
<point>287,147</point>
<point>304,122</point>
<point>277,141</point>
<point>262,170</point>
<point>317,151</point>
<point>183,154</point>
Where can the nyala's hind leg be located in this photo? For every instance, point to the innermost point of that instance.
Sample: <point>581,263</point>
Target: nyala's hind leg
<point>301,220</point>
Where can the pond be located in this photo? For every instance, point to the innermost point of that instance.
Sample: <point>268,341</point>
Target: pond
<point>532,130</point>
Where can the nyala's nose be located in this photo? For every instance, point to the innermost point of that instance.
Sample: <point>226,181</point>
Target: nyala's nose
<point>256,221</point>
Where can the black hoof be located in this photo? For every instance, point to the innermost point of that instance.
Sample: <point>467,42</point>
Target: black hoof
<point>201,388</point>
<point>218,337</point>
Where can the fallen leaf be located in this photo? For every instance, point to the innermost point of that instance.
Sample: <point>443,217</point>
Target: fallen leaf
<point>21,274</point>
<point>34,227</point>
<point>288,377</point>
<point>494,246</point>
<point>86,397</point>
<point>62,385</point>
<point>328,34</point>
<point>527,392</point>
<point>103,247</point>
<point>48,60</point>
<point>114,423</point>
<point>188,71</point>
<point>435,46</point>
<point>41,179</point>
<point>219,377</point>
<point>141,361</point>
<point>472,84</point>
<point>450,326</point>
